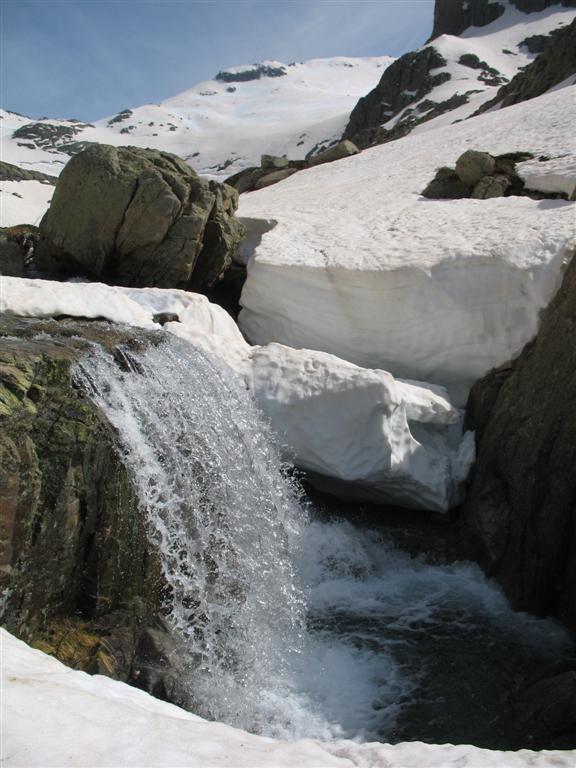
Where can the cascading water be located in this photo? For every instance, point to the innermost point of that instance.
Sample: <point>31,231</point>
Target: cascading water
<point>289,626</point>
<point>224,516</point>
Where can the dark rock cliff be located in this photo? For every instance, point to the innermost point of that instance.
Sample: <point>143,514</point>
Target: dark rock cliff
<point>404,82</point>
<point>411,77</point>
<point>452,17</point>
<point>519,519</point>
<point>554,65</point>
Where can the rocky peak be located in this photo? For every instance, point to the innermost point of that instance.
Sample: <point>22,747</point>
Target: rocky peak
<point>452,17</point>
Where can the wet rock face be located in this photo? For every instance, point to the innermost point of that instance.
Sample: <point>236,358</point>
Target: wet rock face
<point>519,518</point>
<point>553,66</point>
<point>80,577</point>
<point>404,82</point>
<point>138,217</point>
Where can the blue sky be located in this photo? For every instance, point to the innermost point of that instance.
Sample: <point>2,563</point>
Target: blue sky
<point>90,58</point>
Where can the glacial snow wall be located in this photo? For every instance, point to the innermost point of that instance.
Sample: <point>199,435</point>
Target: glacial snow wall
<point>360,265</point>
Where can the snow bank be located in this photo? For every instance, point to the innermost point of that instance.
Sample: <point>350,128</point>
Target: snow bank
<point>55,717</point>
<point>388,440</point>
<point>555,175</point>
<point>361,266</point>
<point>354,424</point>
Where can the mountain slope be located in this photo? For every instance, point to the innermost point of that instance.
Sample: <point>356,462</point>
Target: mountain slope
<point>219,126</point>
<point>453,77</point>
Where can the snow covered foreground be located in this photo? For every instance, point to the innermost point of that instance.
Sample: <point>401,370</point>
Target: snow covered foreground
<point>54,717</point>
<point>348,258</point>
<point>394,441</point>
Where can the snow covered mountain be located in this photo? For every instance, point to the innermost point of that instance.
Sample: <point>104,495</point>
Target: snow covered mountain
<point>219,126</point>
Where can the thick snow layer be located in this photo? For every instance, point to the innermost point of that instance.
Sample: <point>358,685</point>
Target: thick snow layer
<point>394,441</point>
<point>555,175</point>
<point>355,425</point>
<point>54,717</point>
<point>353,261</point>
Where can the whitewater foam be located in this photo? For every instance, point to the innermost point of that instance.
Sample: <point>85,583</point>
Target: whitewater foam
<point>290,626</point>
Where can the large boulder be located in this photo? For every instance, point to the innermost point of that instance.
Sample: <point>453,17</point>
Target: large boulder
<point>138,217</point>
<point>520,513</point>
<point>472,166</point>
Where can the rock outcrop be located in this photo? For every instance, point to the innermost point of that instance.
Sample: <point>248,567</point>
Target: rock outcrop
<point>9,172</point>
<point>17,245</point>
<point>274,169</point>
<point>138,217</point>
<point>404,82</point>
<point>553,66</point>
<point>520,513</point>
<point>79,575</point>
<point>452,17</point>
<point>482,176</point>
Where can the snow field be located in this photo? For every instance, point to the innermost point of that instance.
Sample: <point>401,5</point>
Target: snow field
<point>358,264</point>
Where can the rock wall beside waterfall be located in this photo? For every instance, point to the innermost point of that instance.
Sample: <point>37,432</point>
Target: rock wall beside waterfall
<point>79,576</point>
<point>520,513</point>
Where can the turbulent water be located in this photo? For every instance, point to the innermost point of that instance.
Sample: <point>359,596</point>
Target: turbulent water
<point>291,626</point>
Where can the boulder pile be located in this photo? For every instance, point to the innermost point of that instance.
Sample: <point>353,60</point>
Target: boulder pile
<point>273,169</point>
<point>478,175</point>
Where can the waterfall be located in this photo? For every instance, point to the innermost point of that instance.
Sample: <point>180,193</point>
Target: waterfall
<point>224,516</point>
<point>287,624</point>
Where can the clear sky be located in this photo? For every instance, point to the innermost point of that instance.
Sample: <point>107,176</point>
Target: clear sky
<point>90,58</point>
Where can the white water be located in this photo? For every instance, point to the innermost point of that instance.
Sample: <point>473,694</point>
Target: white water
<point>288,626</point>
